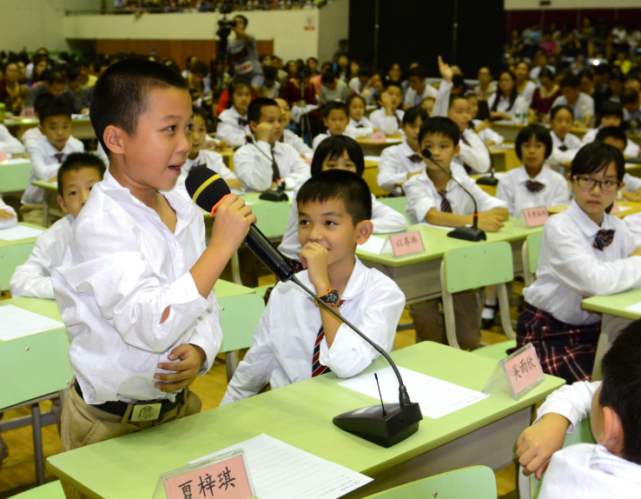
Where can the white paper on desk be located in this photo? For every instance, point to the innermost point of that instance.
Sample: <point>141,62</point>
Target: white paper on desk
<point>18,322</point>
<point>19,232</point>
<point>375,159</point>
<point>17,161</point>
<point>373,245</point>
<point>624,208</point>
<point>634,308</point>
<point>498,175</point>
<point>448,229</point>
<point>436,397</point>
<point>281,471</point>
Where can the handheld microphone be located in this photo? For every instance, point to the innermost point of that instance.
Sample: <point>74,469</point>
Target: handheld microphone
<point>375,423</point>
<point>466,233</point>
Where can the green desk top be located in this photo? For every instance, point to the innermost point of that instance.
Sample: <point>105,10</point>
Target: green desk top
<point>49,186</point>
<point>225,289</point>
<point>9,122</point>
<point>436,243</point>
<point>29,240</point>
<point>615,304</point>
<point>301,415</point>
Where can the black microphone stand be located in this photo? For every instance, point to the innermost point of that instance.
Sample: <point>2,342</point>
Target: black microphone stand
<point>491,180</point>
<point>466,233</point>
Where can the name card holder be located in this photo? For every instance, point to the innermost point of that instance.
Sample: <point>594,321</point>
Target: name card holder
<point>4,158</point>
<point>224,477</point>
<point>532,217</point>
<point>521,371</point>
<point>28,112</point>
<point>378,138</point>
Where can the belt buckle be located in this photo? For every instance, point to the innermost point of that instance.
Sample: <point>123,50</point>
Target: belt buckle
<point>145,412</point>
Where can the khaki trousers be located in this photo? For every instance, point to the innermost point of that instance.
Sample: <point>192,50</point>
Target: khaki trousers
<point>83,424</point>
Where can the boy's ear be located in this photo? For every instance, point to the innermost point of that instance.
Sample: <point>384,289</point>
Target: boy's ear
<point>364,230</point>
<point>457,150</point>
<point>62,204</point>
<point>252,126</point>
<point>42,130</point>
<point>114,139</point>
<point>612,437</point>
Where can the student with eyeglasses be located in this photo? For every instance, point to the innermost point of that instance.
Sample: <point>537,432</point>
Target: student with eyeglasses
<point>584,252</point>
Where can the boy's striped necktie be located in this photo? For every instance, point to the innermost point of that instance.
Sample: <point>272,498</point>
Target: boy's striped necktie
<point>317,367</point>
<point>446,207</point>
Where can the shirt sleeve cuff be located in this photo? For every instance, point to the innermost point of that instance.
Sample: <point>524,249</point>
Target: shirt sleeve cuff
<point>561,407</point>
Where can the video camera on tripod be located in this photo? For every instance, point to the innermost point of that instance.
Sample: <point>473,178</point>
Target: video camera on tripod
<point>225,25</point>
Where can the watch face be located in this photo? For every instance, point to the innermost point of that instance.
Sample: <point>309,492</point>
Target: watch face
<point>331,297</point>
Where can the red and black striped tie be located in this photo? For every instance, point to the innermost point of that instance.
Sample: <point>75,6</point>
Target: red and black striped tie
<point>603,239</point>
<point>275,170</point>
<point>446,207</point>
<point>317,367</point>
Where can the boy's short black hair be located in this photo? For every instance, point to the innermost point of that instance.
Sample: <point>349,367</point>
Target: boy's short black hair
<point>413,113</point>
<point>270,72</point>
<point>441,126</point>
<point>621,388</point>
<point>396,84</point>
<point>570,81</point>
<point>629,96</point>
<point>243,18</point>
<point>352,98</point>
<point>333,105</point>
<point>120,95</point>
<point>541,133</point>
<point>546,73</point>
<point>53,107</point>
<point>339,185</point>
<point>73,73</point>
<point>454,98</point>
<point>328,77</point>
<point>77,160</point>
<point>418,71</point>
<point>611,108</point>
<point>199,67</point>
<point>613,132</point>
<point>199,111</point>
<point>364,71</point>
<point>42,100</point>
<point>56,75</point>
<point>255,109</point>
<point>561,107</point>
<point>458,81</point>
<point>596,156</point>
<point>334,147</point>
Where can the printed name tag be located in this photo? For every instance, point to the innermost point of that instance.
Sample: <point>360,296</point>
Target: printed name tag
<point>28,112</point>
<point>407,244</point>
<point>522,371</point>
<point>535,217</point>
<point>378,137</point>
<point>3,157</point>
<point>226,479</point>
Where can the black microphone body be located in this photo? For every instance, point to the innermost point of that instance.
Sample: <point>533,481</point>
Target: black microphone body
<point>380,425</point>
<point>466,233</point>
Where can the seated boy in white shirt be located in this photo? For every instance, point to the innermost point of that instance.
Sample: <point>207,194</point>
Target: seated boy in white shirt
<point>612,466</point>
<point>389,118</point>
<point>434,198</point>
<point>47,155</point>
<point>611,115</point>
<point>288,136</point>
<point>616,137</point>
<point>473,155</point>
<point>76,177</point>
<point>34,134</point>
<point>8,216</point>
<point>419,88</point>
<point>335,119</point>
<point>295,339</point>
<point>264,160</point>
<point>582,104</point>
<point>400,163</point>
<point>135,289</point>
<point>209,159</point>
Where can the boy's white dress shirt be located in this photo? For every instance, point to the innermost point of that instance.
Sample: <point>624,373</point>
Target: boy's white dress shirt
<point>211,160</point>
<point>585,470</point>
<point>33,278</point>
<point>512,189</point>
<point>32,135</point>
<point>231,129</point>
<point>571,144</point>
<point>123,268</point>
<point>322,136</point>
<point>412,98</point>
<point>8,143</point>
<point>12,222</point>
<point>389,125</point>
<point>360,128</point>
<point>296,142</point>
<point>384,219</point>
<point>422,196</point>
<point>45,165</point>
<point>584,105</point>
<point>394,165</point>
<point>631,149</point>
<point>283,343</point>
<point>570,268</point>
<point>253,165</point>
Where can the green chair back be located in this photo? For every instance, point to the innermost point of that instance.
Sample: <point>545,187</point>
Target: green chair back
<point>15,177</point>
<point>398,203</point>
<point>52,490</point>
<point>533,250</point>
<point>239,316</point>
<point>272,218</point>
<point>478,265</point>
<point>476,482</point>
<point>10,258</point>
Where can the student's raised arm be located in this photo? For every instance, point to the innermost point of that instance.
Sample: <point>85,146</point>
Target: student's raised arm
<point>442,101</point>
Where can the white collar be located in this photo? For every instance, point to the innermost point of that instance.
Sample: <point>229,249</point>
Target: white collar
<point>585,223</point>
<point>602,460</point>
<point>405,149</point>
<point>355,285</point>
<point>522,175</point>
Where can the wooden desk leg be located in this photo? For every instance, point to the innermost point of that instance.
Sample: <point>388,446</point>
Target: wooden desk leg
<point>493,446</point>
<point>611,326</point>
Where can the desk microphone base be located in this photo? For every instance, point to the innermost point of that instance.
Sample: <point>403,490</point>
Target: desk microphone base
<point>488,181</point>
<point>468,234</point>
<point>369,423</point>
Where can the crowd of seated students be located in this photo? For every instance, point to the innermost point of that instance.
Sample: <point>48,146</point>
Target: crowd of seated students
<point>158,6</point>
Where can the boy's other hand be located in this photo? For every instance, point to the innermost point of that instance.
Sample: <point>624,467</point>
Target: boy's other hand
<point>314,258</point>
<point>445,70</point>
<point>6,215</point>
<point>386,100</point>
<point>231,225</point>
<point>535,446</point>
<point>490,222</point>
<point>189,361</point>
<point>263,131</point>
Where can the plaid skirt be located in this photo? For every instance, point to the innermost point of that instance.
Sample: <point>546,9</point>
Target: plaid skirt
<point>565,350</point>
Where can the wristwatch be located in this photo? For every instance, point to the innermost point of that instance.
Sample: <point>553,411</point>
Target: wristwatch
<point>331,297</point>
